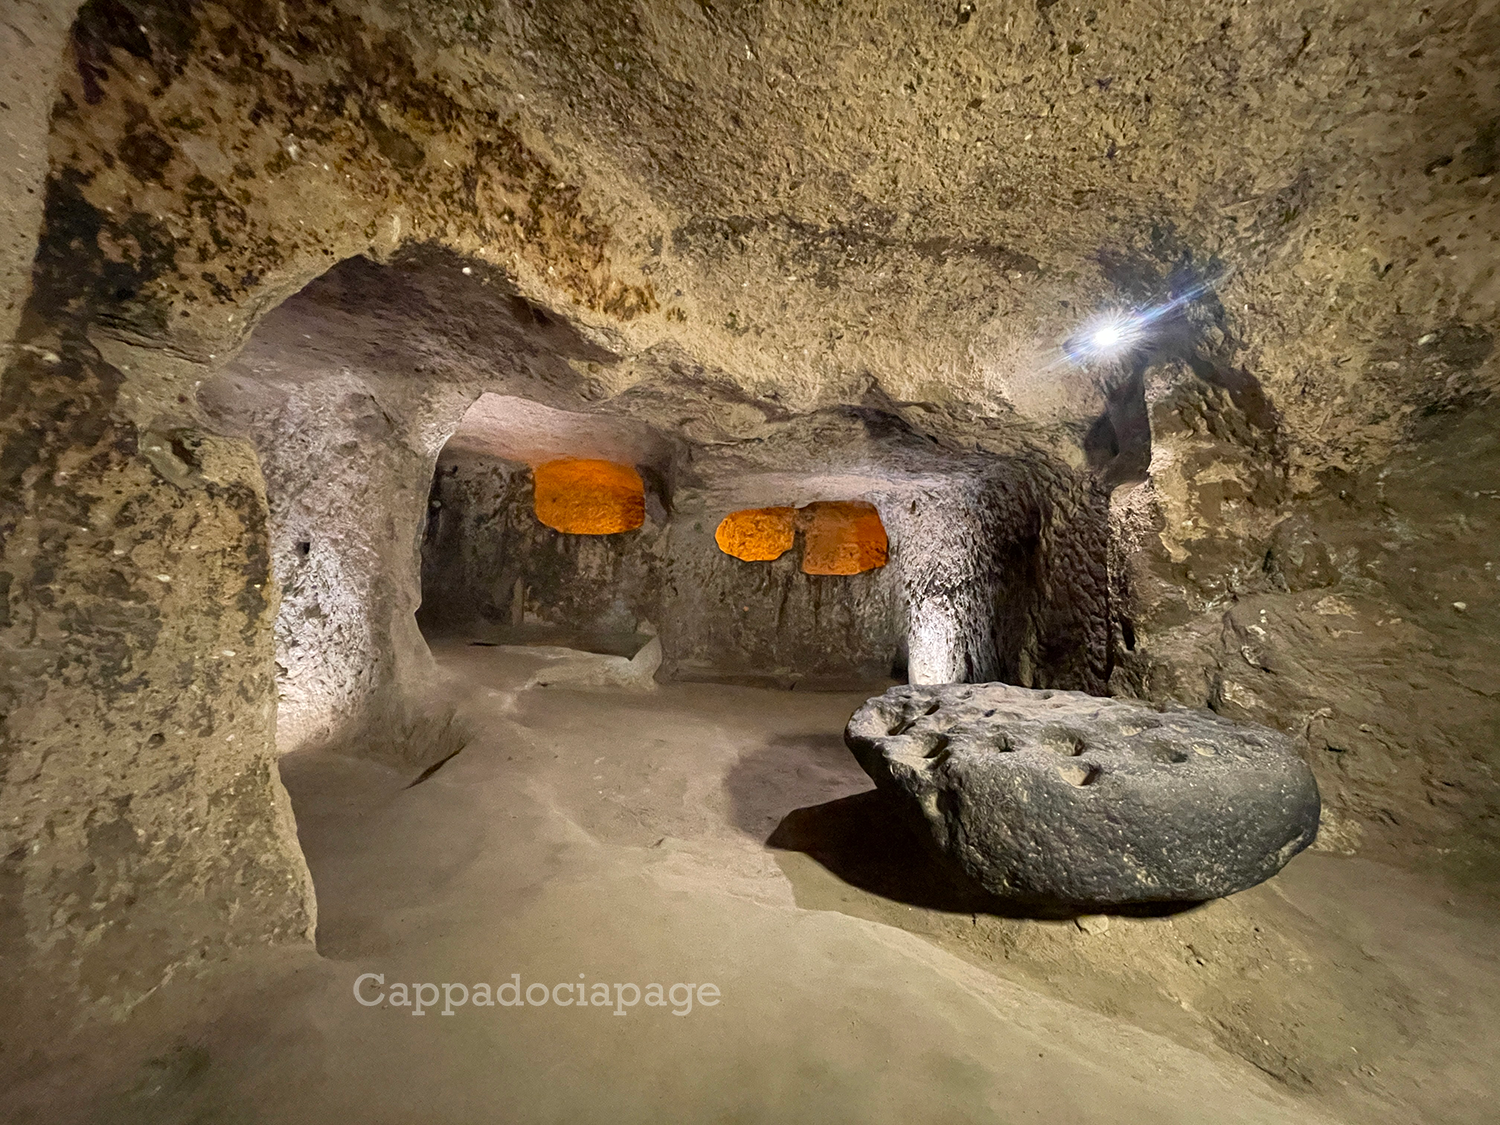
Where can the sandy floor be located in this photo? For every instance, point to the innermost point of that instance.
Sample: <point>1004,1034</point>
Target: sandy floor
<point>607,837</point>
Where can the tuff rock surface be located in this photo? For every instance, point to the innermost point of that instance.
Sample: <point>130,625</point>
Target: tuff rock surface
<point>1061,799</point>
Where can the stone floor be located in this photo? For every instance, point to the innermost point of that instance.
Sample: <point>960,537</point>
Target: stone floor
<point>617,838</point>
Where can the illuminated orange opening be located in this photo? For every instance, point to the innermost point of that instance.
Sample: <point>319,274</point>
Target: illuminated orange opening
<point>843,537</point>
<point>757,534</point>
<point>588,497</point>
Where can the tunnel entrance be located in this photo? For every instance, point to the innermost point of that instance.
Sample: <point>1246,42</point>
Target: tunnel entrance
<point>543,527</point>
<point>440,460</point>
<point>561,528</point>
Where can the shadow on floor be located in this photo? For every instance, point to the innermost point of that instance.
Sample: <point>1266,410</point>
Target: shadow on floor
<point>787,771</point>
<point>864,841</point>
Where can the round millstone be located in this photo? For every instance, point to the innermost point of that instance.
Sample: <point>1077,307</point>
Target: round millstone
<point>1057,798</point>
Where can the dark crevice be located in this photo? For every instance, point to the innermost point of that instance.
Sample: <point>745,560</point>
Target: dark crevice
<point>432,769</point>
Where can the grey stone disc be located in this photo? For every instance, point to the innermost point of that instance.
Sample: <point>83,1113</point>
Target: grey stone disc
<point>1068,800</point>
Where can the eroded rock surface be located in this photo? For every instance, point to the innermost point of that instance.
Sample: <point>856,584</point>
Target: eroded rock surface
<point>1057,798</point>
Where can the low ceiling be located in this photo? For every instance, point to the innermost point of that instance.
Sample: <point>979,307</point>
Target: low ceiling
<point>904,202</point>
<point>516,429</point>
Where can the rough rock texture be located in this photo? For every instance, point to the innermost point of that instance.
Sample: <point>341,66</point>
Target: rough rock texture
<point>1360,620</point>
<point>1010,580</point>
<point>487,561</point>
<point>835,253</point>
<point>1060,799</point>
<point>348,393</point>
<point>770,623</point>
<point>32,34</point>
<point>491,568</point>
<point>345,459</point>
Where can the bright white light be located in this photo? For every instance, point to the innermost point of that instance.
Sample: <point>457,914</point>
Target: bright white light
<point>1107,337</point>
<point>1113,333</point>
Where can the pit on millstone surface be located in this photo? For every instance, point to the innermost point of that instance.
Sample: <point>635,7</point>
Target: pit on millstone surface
<point>1060,799</point>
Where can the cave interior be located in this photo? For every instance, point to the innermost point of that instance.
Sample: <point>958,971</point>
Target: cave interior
<point>462,465</point>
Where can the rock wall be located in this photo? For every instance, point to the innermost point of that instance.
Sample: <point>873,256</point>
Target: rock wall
<point>142,821</point>
<point>1357,618</point>
<point>488,562</point>
<point>954,546</point>
<point>768,623</point>
<point>346,457</point>
<point>32,36</point>
<point>719,618</point>
<point>1004,570</point>
<point>348,392</point>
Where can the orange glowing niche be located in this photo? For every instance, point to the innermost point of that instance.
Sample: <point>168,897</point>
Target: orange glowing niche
<point>841,536</point>
<point>583,497</point>
<point>757,534</point>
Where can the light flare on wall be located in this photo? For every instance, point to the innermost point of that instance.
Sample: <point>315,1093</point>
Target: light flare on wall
<point>1108,337</point>
<point>840,536</point>
<point>1113,333</point>
<point>757,534</point>
<point>585,497</point>
<point>843,537</point>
